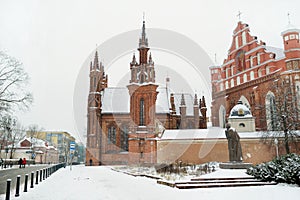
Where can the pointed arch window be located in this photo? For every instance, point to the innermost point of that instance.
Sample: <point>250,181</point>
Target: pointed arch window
<point>111,136</point>
<point>142,112</point>
<point>245,78</point>
<point>237,42</point>
<point>238,81</point>
<point>244,39</point>
<point>124,138</point>
<point>95,82</point>
<point>258,58</point>
<point>252,75</point>
<point>271,112</point>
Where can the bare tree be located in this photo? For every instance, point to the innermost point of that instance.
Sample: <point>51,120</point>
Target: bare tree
<point>282,111</point>
<point>33,131</point>
<point>13,81</point>
<point>11,133</point>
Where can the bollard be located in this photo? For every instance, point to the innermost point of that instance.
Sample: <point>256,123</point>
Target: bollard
<point>31,181</point>
<point>25,182</point>
<point>37,177</point>
<point>41,175</point>
<point>7,197</point>
<point>18,186</point>
<point>44,174</point>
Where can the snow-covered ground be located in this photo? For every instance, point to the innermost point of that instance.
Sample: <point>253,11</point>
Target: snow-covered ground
<point>102,183</point>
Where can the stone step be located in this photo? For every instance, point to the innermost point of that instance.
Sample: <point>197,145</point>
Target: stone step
<point>220,181</point>
<point>223,178</point>
<point>211,185</point>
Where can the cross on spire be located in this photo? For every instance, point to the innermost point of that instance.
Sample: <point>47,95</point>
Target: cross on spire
<point>239,15</point>
<point>289,20</point>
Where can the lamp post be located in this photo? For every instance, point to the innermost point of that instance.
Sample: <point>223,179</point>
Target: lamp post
<point>6,152</point>
<point>285,130</point>
<point>276,146</point>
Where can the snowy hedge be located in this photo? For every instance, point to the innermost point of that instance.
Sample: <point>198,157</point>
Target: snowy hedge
<point>285,169</point>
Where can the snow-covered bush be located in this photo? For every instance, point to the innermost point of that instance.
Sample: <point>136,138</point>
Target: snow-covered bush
<point>285,169</point>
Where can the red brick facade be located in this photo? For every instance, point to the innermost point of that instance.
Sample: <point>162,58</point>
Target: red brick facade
<point>253,72</point>
<point>124,130</point>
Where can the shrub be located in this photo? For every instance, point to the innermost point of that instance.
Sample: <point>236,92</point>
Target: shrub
<point>285,169</point>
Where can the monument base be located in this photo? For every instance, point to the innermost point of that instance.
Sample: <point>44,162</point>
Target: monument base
<point>235,165</point>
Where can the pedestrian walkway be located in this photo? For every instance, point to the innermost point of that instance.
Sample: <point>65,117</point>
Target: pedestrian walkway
<point>102,183</point>
<point>12,173</point>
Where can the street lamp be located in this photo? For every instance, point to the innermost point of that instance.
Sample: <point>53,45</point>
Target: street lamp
<point>276,146</point>
<point>6,152</point>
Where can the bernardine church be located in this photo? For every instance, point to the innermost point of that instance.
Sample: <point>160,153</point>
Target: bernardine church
<point>125,123</point>
<point>143,123</point>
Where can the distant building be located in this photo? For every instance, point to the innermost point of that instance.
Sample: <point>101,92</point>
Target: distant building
<point>60,139</point>
<point>124,122</point>
<point>36,149</point>
<point>254,73</point>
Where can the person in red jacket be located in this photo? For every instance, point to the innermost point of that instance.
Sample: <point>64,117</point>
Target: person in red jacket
<point>24,162</point>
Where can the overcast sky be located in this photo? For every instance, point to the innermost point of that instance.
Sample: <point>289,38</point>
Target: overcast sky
<point>53,38</point>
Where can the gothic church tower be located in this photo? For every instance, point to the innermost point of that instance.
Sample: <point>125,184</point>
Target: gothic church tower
<point>98,81</point>
<point>142,91</point>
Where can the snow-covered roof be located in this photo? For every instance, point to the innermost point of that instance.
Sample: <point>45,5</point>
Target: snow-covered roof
<point>211,133</point>
<point>240,111</point>
<point>278,51</point>
<point>35,142</point>
<point>117,100</point>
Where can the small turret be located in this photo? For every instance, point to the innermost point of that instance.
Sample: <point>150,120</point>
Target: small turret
<point>196,112</point>
<point>291,41</point>
<point>182,109</point>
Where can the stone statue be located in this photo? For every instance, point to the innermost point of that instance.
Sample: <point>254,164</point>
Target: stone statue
<point>234,145</point>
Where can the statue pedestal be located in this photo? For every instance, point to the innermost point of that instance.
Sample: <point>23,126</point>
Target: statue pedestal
<point>234,165</point>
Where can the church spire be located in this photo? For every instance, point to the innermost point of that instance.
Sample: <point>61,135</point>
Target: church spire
<point>195,100</point>
<point>143,43</point>
<point>182,103</point>
<point>96,60</point>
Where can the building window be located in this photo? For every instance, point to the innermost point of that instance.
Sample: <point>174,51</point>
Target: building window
<point>48,137</point>
<point>286,38</point>
<point>111,136</point>
<point>244,38</point>
<point>237,42</point>
<point>260,73</point>
<point>245,78</point>
<point>292,37</point>
<point>251,61</point>
<point>232,83</point>
<point>232,70</point>
<point>271,112</point>
<point>95,82</point>
<point>268,70</point>
<point>227,72</point>
<point>252,75</point>
<point>124,138</point>
<point>238,80</point>
<point>142,112</point>
<point>226,85</point>
<point>221,86</point>
<point>258,58</point>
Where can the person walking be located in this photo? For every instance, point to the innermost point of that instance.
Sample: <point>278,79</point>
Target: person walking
<point>20,162</point>
<point>24,162</point>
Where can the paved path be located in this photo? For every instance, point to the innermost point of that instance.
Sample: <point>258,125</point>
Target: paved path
<point>12,173</point>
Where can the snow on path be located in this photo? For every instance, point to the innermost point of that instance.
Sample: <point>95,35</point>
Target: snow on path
<point>102,183</point>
